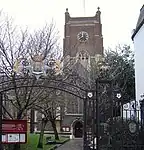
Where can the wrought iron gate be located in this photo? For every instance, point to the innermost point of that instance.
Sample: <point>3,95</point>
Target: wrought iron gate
<point>109,122</point>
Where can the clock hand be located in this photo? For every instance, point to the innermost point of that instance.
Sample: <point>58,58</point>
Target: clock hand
<point>82,34</point>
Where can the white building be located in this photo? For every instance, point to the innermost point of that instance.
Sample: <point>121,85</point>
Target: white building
<point>138,40</point>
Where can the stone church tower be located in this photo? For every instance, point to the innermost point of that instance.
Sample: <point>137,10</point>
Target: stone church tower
<point>83,36</point>
<point>83,42</point>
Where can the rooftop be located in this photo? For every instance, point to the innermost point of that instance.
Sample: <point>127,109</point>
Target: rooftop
<point>140,22</point>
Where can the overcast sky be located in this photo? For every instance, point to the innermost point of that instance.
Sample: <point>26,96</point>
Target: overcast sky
<point>119,17</point>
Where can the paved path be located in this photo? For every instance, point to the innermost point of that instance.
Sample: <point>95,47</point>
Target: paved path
<point>76,144</point>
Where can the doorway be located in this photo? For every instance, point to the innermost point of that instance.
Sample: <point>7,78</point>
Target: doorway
<point>78,129</point>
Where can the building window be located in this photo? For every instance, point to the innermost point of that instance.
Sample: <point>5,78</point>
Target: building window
<point>66,129</point>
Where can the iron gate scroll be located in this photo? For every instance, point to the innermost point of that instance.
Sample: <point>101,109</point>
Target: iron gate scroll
<point>109,122</point>
<point>75,87</point>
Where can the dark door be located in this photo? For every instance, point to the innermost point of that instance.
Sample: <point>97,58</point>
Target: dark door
<point>78,129</point>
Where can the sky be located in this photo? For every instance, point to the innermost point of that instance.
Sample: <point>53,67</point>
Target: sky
<point>119,17</point>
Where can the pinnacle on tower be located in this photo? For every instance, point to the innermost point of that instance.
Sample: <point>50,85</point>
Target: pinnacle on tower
<point>98,13</point>
<point>67,16</point>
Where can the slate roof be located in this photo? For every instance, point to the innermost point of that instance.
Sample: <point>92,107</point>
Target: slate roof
<point>140,22</point>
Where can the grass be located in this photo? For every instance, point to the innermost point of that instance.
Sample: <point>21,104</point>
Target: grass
<point>33,141</point>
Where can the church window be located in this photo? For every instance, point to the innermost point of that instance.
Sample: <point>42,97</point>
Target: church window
<point>80,56</point>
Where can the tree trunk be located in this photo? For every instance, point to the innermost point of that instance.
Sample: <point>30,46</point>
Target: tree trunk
<point>16,147</point>
<point>40,143</point>
<point>19,116</point>
<point>32,123</point>
<point>54,129</point>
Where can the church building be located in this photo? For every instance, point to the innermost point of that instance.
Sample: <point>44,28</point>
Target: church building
<point>82,44</point>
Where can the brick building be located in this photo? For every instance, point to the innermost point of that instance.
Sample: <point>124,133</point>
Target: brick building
<point>83,42</point>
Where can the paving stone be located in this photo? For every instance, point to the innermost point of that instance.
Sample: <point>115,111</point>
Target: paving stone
<point>76,144</point>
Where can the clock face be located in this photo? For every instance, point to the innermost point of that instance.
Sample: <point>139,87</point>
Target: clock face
<point>82,36</point>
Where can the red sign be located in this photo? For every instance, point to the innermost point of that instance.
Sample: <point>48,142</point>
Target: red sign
<point>14,126</point>
<point>14,131</point>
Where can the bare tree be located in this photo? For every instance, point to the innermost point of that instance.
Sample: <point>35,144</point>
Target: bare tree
<point>16,47</point>
<point>53,104</point>
<point>50,109</point>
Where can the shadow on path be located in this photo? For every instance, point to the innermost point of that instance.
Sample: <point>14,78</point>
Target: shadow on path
<point>76,144</point>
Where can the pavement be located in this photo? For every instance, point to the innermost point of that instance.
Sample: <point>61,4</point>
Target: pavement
<point>75,144</point>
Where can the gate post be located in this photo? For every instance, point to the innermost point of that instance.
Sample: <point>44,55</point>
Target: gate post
<point>85,122</point>
<point>110,95</point>
<point>1,101</point>
<point>97,113</point>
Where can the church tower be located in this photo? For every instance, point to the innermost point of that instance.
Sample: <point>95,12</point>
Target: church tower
<point>83,38</point>
<point>83,44</point>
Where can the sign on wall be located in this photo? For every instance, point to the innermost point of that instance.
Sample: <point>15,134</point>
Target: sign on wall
<point>14,131</point>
